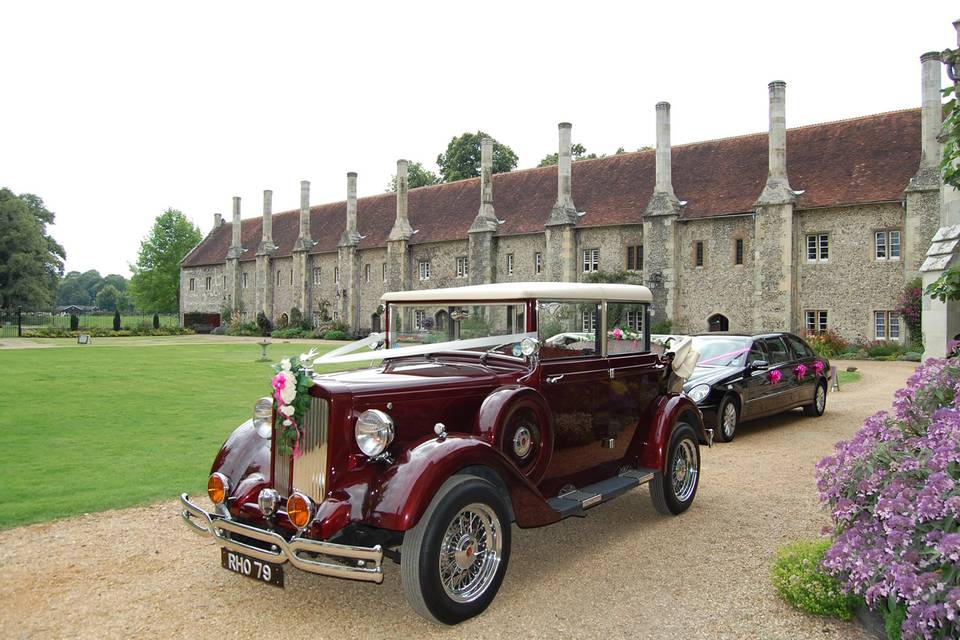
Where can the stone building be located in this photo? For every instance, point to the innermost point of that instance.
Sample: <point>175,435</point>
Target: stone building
<point>794,229</point>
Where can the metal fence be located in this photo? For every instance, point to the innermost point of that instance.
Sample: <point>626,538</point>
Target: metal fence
<point>14,323</point>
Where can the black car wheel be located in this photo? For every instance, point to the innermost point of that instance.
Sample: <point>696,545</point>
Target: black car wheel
<point>453,560</point>
<point>818,406</point>
<point>728,416</point>
<point>673,491</point>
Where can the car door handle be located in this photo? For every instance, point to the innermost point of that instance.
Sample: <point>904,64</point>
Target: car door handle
<point>554,379</point>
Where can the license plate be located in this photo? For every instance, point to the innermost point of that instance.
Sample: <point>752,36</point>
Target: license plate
<point>252,568</point>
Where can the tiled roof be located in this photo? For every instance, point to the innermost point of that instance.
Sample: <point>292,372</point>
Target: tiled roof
<point>867,159</point>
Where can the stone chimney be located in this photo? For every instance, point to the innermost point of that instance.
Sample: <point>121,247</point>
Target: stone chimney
<point>931,118</point>
<point>486,219</point>
<point>564,212</point>
<point>236,241</point>
<point>664,183</point>
<point>777,189</point>
<point>350,234</point>
<point>304,240</point>
<point>217,220</point>
<point>266,239</point>
<point>401,226</point>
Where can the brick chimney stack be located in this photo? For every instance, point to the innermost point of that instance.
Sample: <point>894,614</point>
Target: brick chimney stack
<point>931,118</point>
<point>486,219</point>
<point>664,180</point>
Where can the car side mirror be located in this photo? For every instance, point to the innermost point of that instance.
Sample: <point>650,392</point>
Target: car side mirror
<point>759,364</point>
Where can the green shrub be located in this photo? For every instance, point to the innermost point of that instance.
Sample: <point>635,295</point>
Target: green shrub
<point>116,321</point>
<point>336,335</point>
<point>242,329</point>
<point>662,327</point>
<point>827,344</point>
<point>74,322</point>
<point>264,324</point>
<point>291,331</point>
<point>884,349</point>
<point>156,321</point>
<point>100,332</point>
<point>800,579</point>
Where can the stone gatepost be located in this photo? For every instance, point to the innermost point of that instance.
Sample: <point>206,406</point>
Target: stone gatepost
<point>774,278</point>
<point>941,320</point>
<point>348,261</point>
<point>264,290</point>
<point>481,233</point>
<point>922,215</point>
<point>561,241</point>
<point>660,228</point>
<point>301,254</point>
<point>233,273</point>
<point>398,250</point>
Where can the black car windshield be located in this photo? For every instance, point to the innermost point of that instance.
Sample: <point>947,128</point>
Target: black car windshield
<point>721,351</point>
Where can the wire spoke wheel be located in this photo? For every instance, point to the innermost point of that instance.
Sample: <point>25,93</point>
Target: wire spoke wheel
<point>685,470</point>
<point>470,552</point>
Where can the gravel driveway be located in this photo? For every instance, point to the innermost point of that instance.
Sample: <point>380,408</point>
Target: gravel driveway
<point>622,571</point>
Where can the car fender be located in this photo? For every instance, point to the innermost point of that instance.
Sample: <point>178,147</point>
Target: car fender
<point>496,409</point>
<point>407,487</point>
<point>245,460</point>
<point>651,442</point>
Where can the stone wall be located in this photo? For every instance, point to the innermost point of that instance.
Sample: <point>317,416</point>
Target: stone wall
<point>523,248</point>
<point>612,243</point>
<point>201,299</point>
<point>326,290</point>
<point>443,264</point>
<point>371,291</point>
<point>852,283</point>
<point>719,286</point>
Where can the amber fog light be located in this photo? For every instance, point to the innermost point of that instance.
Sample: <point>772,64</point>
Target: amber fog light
<point>299,510</point>
<point>217,488</point>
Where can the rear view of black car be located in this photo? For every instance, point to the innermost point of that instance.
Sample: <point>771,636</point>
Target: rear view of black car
<point>740,378</point>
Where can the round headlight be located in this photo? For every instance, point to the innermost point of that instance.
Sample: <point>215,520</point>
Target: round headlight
<point>699,393</point>
<point>217,488</point>
<point>529,346</point>
<point>268,499</point>
<point>263,416</point>
<point>299,510</point>
<point>374,432</point>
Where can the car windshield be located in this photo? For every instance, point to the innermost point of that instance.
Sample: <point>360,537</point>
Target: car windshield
<point>721,351</point>
<point>470,327</point>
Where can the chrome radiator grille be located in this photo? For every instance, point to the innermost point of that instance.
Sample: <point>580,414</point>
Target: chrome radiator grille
<point>310,468</point>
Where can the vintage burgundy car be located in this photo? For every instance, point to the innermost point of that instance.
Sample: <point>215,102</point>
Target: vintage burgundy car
<point>488,405</point>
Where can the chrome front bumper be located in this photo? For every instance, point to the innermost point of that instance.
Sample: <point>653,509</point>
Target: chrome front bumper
<point>368,561</point>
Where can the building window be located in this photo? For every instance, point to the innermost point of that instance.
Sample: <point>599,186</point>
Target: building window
<point>591,260</point>
<point>278,276</point>
<point>424,269</point>
<point>366,273</point>
<point>418,317</point>
<point>224,282</point>
<point>207,283</point>
<point>634,320</point>
<point>193,284</point>
<point>818,247</point>
<point>886,325</point>
<point>317,275</point>
<point>635,257</point>
<point>738,251</point>
<point>291,277</point>
<point>336,316</point>
<point>698,253</point>
<point>589,321</point>
<point>336,275</point>
<point>509,264</point>
<point>244,280</point>
<point>537,262</point>
<point>887,245</point>
<point>462,267</point>
<point>816,321</point>
<point>384,271</point>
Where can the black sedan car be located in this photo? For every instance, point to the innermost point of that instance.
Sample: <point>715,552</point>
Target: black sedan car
<point>739,378</point>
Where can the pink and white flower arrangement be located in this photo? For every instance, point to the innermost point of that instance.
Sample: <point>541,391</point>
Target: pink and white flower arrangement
<point>291,386</point>
<point>800,371</point>
<point>775,376</point>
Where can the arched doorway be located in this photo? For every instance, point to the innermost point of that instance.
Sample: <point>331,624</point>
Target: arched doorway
<point>718,322</point>
<point>440,319</point>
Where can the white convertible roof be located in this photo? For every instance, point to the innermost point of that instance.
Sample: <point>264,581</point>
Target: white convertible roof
<point>524,290</point>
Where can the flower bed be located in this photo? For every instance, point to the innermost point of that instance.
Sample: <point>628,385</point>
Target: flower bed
<point>895,501</point>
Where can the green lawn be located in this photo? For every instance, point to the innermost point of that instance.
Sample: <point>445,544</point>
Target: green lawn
<point>846,377</point>
<point>101,427</point>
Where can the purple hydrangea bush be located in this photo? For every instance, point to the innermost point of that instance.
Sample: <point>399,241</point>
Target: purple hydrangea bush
<point>895,500</point>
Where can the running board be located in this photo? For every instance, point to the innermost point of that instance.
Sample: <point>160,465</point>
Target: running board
<point>575,503</point>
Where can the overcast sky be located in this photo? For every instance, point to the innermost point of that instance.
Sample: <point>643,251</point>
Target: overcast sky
<point>112,112</point>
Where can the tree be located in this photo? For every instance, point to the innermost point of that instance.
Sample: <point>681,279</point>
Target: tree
<point>577,152</point>
<point>156,275</point>
<point>108,298</point>
<point>462,159</point>
<point>31,262</point>
<point>417,176</point>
